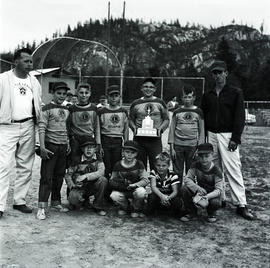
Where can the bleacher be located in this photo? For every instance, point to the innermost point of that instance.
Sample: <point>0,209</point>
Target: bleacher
<point>265,115</point>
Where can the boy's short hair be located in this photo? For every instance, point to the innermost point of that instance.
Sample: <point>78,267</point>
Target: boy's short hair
<point>187,89</point>
<point>149,79</point>
<point>18,52</point>
<point>60,85</point>
<point>69,94</point>
<point>164,157</point>
<point>83,85</point>
<point>205,148</point>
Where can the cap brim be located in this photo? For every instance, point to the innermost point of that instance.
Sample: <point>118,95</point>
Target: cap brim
<point>131,147</point>
<point>66,88</point>
<point>205,152</point>
<point>218,69</point>
<point>114,91</point>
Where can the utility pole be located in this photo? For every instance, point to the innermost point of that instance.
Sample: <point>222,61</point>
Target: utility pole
<point>107,52</point>
<point>122,53</point>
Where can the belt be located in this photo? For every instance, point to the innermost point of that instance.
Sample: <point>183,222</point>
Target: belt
<point>22,120</point>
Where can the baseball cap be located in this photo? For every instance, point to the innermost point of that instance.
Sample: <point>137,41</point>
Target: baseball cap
<point>113,89</point>
<point>87,140</point>
<point>133,145</point>
<point>60,85</point>
<point>205,148</point>
<point>218,65</point>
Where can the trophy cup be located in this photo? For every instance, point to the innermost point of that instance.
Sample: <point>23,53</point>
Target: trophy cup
<point>147,129</point>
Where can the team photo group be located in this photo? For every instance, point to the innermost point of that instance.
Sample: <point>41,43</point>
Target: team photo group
<point>89,148</point>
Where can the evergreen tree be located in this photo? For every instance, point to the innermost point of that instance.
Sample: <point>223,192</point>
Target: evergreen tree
<point>224,53</point>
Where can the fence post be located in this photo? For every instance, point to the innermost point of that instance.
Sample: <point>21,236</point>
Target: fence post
<point>161,89</point>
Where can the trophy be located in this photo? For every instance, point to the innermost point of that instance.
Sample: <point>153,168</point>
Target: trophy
<point>147,129</point>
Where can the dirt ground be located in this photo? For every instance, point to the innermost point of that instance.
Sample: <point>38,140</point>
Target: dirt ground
<point>83,239</point>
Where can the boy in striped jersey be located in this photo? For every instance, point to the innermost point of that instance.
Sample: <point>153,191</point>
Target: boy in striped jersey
<point>128,182</point>
<point>149,146</point>
<point>164,187</point>
<point>53,149</point>
<point>113,128</point>
<point>82,121</point>
<point>186,132</point>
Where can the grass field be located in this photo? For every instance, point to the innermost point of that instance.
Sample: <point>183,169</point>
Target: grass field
<point>83,239</point>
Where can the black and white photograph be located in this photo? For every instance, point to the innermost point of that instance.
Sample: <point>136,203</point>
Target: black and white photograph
<point>134,134</point>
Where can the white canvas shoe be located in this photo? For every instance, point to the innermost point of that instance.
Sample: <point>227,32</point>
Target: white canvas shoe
<point>41,215</point>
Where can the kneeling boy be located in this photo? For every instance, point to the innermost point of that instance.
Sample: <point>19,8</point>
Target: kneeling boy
<point>87,178</point>
<point>128,180</point>
<point>164,185</point>
<point>203,180</point>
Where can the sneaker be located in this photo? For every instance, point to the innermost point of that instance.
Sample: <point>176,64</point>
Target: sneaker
<point>185,218</point>
<point>134,215</point>
<point>245,213</point>
<point>41,215</point>
<point>101,213</point>
<point>60,208</point>
<point>23,208</point>
<point>122,212</point>
<point>142,215</point>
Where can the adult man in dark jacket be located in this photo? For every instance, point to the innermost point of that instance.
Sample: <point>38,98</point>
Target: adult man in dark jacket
<point>224,115</point>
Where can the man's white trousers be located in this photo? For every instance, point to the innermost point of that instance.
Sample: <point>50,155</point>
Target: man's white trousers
<point>230,164</point>
<point>17,148</point>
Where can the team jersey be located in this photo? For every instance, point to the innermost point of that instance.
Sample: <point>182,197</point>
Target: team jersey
<point>113,123</point>
<point>94,167</point>
<point>123,176</point>
<point>156,107</point>
<point>210,180</point>
<point>165,185</point>
<point>53,123</point>
<point>83,120</point>
<point>187,127</point>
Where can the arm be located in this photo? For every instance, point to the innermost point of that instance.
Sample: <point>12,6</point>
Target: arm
<point>68,177</point>
<point>131,120</point>
<point>171,136</point>
<point>190,181</point>
<point>117,182</point>
<point>126,129</point>
<point>239,118</point>
<point>201,131</point>
<point>174,192</point>
<point>97,174</point>
<point>43,124</point>
<point>143,179</point>
<point>164,199</point>
<point>218,186</point>
<point>165,117</point>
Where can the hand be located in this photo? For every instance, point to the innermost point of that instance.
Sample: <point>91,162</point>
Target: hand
<point>132,186</point>
<point>81,178</point>
<point>68,149</point>
<point>232,146</point>
<point>201,191</point>
<point>165,200</point>
<point>173,154</point>
<point>159,132</point>
<point>71,185</point>
<point>45,153</point>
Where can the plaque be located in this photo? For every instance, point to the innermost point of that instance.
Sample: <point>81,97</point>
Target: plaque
<point>147,129</point>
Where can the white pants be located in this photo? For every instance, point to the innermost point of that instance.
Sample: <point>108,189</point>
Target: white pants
<point>17,146</point>
<point>230,164</point>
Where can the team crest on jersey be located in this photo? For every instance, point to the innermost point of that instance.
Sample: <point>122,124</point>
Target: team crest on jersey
<point>148,108</point>
<point>61,113</point>
<point>84,116</point>
<point>22,91</point>
<point>115,119</point>
<point>188,116</point>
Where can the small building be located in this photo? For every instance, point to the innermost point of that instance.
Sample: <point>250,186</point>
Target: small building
<point>48,77</point>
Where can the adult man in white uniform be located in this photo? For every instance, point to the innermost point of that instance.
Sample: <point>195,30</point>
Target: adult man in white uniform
<point>20,99</point>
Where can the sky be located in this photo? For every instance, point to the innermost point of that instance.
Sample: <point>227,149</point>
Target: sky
<point>28,20</point>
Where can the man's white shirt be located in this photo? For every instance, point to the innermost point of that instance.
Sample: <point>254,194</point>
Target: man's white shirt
<point>23,98</point>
